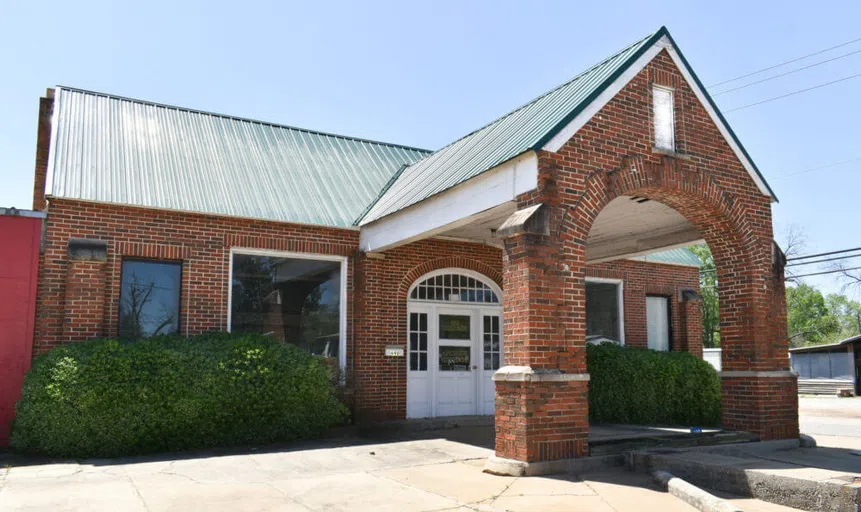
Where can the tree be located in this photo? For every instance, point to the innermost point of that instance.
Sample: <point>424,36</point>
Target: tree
<point>849,274</point>
<point>847,312</point>
<point>809,319</point>
<point>709,294</point>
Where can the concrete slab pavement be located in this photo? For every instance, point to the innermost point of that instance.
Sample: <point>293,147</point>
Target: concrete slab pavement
<point>424,475</point>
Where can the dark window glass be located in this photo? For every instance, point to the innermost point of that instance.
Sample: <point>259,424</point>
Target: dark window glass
<point>295,300</point>
<point>454,327</point>
<point>149,298</point>
<point>602,311</point>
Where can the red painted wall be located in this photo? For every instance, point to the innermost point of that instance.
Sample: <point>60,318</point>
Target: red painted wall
<point>19,265</point>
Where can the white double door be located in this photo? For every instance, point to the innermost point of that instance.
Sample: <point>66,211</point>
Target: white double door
<point>452,353</point>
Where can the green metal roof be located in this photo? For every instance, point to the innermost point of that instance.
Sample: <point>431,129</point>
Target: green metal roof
<point>679,256</point>
<point>119,150</point>
<point>528,127</point>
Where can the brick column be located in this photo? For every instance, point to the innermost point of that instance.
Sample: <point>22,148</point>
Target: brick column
<point>542,416</point>
<point>759,391</point>
<point>84,310</point>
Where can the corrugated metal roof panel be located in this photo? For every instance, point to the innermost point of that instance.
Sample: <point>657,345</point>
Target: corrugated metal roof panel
<point>502,139</point>
<point>118,150</point>
<point>678,256</point>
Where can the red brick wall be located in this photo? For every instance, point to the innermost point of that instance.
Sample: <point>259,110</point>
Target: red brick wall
<point>78,300</point>
<point>645,278</point>
<point>201,242</point>
<point>84,301</point>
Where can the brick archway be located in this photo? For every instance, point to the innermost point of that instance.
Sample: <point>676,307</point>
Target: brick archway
<point>543,416</point>
<point>753,336</point>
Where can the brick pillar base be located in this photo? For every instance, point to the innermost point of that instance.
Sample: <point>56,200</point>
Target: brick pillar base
<point>542,420</point>
<point>763,403</point>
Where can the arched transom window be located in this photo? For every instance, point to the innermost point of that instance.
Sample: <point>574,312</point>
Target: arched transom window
<point>451,286</point>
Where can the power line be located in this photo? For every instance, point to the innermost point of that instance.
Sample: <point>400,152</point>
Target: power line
<point>817,168</point>
<point>823,261</point>
<point>786,73</point>
<point>823,254</point>
<point>763,70</point>
<point>826,272</point>
<point>793,93</point>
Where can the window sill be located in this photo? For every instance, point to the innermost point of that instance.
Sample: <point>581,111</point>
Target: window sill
<point>670,153</point>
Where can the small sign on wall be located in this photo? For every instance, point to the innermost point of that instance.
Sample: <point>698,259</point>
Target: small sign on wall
<point>394,351</point>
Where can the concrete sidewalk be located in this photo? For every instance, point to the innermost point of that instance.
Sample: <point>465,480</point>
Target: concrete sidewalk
<point>823,478</point>
<point>425,475</point>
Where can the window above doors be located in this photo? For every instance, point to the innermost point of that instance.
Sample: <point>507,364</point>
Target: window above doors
<point>454,286</point>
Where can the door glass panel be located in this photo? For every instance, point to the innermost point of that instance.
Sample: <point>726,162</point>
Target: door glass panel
<point>454,359</point>
<point>491,342</point>
<point>454,327</point>
<point>418,342</point>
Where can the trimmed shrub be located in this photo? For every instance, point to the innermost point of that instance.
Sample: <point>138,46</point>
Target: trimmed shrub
<point>646,387</point>
<point>106,398</point>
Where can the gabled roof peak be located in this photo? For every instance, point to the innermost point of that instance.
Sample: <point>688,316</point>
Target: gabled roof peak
<point>533,125</point>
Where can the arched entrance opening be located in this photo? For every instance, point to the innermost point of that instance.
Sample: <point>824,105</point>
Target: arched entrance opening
<point>642,279</point>
<point>548,248</point>
<point>682,201</point>
<point>454,343</point>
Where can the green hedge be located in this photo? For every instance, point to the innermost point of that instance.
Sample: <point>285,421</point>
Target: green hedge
<point>646,387</point>
<point>105,398</point>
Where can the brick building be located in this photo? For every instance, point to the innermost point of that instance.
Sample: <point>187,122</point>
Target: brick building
<point>461,281</point>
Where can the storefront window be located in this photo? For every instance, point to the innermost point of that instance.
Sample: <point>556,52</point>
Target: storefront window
<point>295,300</point>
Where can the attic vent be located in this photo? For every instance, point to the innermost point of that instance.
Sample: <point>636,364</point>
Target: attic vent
<point>640,200</point>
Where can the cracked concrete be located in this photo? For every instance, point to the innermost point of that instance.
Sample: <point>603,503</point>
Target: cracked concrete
<point>425,475</point>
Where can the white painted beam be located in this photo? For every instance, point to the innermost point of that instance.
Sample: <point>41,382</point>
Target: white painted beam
<point>468,202</point>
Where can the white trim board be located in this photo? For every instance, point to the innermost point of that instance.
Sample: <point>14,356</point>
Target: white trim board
<point>458,206</point>
<point>564,135</point>
<point>342,305</point>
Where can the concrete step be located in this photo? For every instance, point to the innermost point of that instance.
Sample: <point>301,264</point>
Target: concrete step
<point>774,471</point>
<point>680,440</point>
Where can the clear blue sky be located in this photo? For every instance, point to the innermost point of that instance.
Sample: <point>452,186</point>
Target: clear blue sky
<point>426,73</point>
